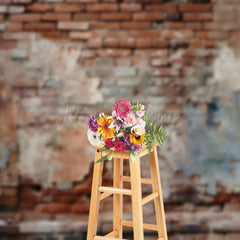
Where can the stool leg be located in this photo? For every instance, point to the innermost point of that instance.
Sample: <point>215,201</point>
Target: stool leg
<point>95,198</point>
<point>136,199</point>
<point>158,202</point>
<point>117,198</point>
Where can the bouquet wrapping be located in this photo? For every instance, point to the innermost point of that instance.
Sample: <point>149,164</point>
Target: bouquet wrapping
<point>127,129</point>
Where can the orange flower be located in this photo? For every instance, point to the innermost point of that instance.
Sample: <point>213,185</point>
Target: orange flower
<point>104,123</point>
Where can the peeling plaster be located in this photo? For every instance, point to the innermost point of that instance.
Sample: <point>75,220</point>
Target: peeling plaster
<point>227,69</point>
<point>44,59</point>
<point>4,157</point>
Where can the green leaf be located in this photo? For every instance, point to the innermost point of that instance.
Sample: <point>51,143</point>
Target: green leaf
<point>106,157</point>
<point>155,127</point>
<point>151,124</point>
<point>104,148</point>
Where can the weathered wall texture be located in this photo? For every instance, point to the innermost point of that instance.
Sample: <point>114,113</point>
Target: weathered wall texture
<point>62,60</point>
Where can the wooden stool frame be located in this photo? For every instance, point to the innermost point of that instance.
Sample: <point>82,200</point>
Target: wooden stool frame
<point>99,193</point>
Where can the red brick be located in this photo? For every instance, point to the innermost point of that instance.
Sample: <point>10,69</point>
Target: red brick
<point>56,16</point>
<point>165,71</point>
<point>233,236</point>
<point>63,7</point>
<point>135,25</point>
<point>94,43</point>
<point>102,7</point>
<point>195,17</point>
<point>25,17</point>
<point>70,25</point>
<point>5,1</point>
<point>39,26</point>
<point>114,52</point>
<point>9,44</point>
<point>193,26</point>
<point>177,34</point>
<point>210,26</point>
<point>144,43</point>
<point>14,26</point>
<point>65,199</point>
<point>189,53</point>
<point>54,35</point>
<point>130,7</point>
<point>16,9</point>
<point>169,7</point>
<point>115,16</point>
<point>1,18</point>
<point>16,35</point>
<point>8,201</point>
<point>89,62</point>
<point>160,43</point>
<point>145,34</point>
<point>175,25</point>
<point>196,43</point>
<point>210,43</point>
<point>81,1</point>
<point>212,35</point>
<point>111,42</point>
<point>29,201</point>
<point>193,7</point>
<point>127,42</point>
<point>151,52</point>
<point>39,7</point>
<point>86,16</point>
<point>54,208</point>
<point>103,25</point>
<point>9,191</point>
<point>81,35</point>
<point>80,208</point>
<point>148,16</point>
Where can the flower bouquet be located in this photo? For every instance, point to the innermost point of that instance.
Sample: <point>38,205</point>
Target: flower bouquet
<point>126,130</point>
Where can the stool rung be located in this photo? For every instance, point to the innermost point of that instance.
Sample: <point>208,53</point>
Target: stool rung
<point>111,234</point>
<point>115,190</point>
<point>108,238</point>
<point>149,198</point>
<point>143,180</point>
<point>105,195</point>
<point>145,225</point>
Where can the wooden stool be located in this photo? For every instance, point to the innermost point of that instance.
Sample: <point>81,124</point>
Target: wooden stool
<point>100,192</point>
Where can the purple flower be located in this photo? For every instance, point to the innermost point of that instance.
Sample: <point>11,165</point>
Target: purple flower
<point>126,148</point>
<point>136,148</point>
<point>92,124</point>
<point>127,140</point>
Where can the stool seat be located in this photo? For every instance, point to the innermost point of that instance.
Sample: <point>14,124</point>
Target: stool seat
<point>100,192</point>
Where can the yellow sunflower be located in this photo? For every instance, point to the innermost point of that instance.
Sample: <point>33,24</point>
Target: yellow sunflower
<point>137,139</point>
<point>104,123</point>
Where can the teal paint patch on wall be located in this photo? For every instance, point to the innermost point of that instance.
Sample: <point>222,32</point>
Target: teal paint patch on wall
<point>214,142</point>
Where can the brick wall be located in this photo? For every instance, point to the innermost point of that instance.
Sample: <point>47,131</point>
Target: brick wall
<point>62,60</point>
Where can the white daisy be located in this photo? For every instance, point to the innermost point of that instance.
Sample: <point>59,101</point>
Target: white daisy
<point>94,138</point>
<point>138,129</point>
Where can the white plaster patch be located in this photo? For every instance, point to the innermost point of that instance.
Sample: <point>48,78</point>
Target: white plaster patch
<point>36,153</point>
<point>227,69</point>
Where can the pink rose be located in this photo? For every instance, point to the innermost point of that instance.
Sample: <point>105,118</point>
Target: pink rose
<point>141,122</point>
<point>130,120</point>
<point>140,113</point>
